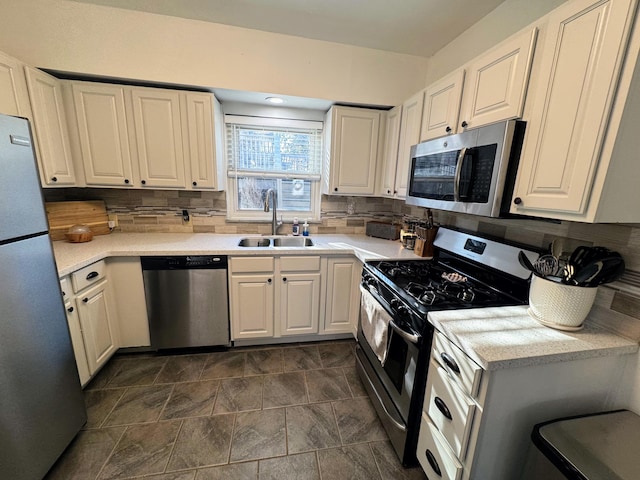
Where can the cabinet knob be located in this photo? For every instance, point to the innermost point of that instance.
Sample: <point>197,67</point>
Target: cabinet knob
<point>388,191</point>
<point>335,189</point>
<point>432,461</point>
<point>284,279</point>
<point>54,179</point>
<point>464,124</point>
<point>126,180</point>
<point>143,182</point>
<point>448,129</point>
<point>195,184</point>
<point>70,309</point>
<point>517,200</point>
<point>85,299</point>
<point>268,280</point>
<point>395,191</point>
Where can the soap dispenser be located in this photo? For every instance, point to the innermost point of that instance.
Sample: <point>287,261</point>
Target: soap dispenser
<point>295,229</point>
<point>305,228</point>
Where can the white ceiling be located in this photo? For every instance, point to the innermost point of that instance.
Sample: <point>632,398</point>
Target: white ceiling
<point>416,27</point>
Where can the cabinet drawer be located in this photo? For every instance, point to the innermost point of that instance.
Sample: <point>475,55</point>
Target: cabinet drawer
<point>251,264</point>
<point>65,288</point>
<point>299,264</point>
<point>434,454</point>
<point>88,275</point>
<point>457,364</point>
<point>450,409</point>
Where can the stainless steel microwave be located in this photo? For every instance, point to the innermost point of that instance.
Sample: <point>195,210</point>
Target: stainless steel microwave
<point>471,172</point>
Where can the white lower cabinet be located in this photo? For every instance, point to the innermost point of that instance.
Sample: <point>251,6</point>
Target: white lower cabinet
<point>251,305</point>
<point>476,424</point>
<point>342,305</point>
<point>299,303</point>
<point>91,317</point>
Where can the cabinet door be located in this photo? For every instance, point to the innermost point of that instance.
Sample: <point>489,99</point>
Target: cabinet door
<point>103,133</point>
<point>14,98</point>
<point>354,150</point>
<point>496,82</point>
<point>390,156</point>
<point>251,299</point>
<point>409,136</point>
<point>442,107</point>
<point>578,75</point>
<point>100,339</point>
<point>343,295</point>
<point>75,331</point>
<point>199,135</point>
<point>300,303</point>
<point>51,128</point>
<point>158,135</point>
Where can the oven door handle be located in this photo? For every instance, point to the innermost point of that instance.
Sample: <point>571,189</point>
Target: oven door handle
<point>409,337</point>
<point>456,181</point>
<point>399,425</point>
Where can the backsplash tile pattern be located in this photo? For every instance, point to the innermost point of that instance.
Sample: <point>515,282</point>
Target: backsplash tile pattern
<point>617,306</point>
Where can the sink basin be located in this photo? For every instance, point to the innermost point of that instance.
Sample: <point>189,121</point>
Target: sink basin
<point>254,242</point>
<point>292,242</point>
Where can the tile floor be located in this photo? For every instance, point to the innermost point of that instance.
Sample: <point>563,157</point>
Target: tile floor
<point>292,412</point>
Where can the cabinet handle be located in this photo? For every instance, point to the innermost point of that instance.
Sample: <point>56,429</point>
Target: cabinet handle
<point>464,124</point>
<point>269,280</point>
<point>195,184</point>
<point>448,129</point>
<point>388,191</point>
<point>143,182</point>
<point>64,294</point>
<point>126,180</point>
<point>450,362</point>
<point>335,189</point>
<point>85,299</point>
<point>70,309</point>
<point>54,179</point>
<point>432,461</point>
<point>517,200</point>
<point>284,279</point>
<point>444,410</point>
<point>92,275</point>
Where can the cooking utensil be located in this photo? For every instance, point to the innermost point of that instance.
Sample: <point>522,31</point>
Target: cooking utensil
<point>525,262</point>
<point>547,265</point>
<point>603,270</point>
<point>429,218</point>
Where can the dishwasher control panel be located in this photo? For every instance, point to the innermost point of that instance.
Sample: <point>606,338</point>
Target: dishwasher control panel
<point>183,262</point>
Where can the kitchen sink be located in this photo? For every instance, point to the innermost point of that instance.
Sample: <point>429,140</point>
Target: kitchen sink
<point>292,242</point>
<point>254,242</point>
<point>276,242</point>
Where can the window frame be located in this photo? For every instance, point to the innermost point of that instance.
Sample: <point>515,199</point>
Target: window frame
<point>233,213</point>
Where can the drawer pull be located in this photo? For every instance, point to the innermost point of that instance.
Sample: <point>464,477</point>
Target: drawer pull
<point>444,410</point>
<point>91,275</point>
<point>85,299</point>
<point>432,461</point>
<point>70,309</point>
<point>450,362</point>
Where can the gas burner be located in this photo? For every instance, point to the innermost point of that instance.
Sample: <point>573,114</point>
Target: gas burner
<point>425,294</point>
<point>459,291</point>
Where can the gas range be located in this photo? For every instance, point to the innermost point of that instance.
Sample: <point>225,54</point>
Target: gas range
<point>467,271</point>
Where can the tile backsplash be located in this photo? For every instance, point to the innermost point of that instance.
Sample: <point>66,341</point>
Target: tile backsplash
<point>617,305</point>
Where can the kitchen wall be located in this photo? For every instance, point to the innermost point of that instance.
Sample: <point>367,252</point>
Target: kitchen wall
<point>92,39</point>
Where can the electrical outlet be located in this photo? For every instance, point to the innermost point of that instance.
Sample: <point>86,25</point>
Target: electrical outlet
<point>113,220</point>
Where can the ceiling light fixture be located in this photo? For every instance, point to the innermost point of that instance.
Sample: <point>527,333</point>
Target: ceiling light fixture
<point>275,100</point>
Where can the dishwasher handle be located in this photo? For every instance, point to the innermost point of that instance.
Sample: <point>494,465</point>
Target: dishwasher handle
<point>185,262</point>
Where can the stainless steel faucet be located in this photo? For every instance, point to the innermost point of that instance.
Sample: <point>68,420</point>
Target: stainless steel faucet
<point>275,223</point>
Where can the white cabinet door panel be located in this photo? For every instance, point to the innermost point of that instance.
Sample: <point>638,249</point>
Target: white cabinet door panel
<point>14,98</point>
<point>300,305</point>
<point>252,306</point>
<point>442,107</point>
<point>390,157</point>
<point>409,136</point>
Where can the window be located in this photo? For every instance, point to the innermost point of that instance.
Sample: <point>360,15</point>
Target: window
<point>279,154</point>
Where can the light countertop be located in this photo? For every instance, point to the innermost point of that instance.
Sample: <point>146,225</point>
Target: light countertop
<point>72,256</point>
<point>507,337</point>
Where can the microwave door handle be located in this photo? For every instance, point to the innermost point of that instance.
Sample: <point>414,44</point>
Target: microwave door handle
<point>456,181</point>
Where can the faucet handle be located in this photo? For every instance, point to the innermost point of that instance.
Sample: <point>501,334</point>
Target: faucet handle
<point>280,221</point>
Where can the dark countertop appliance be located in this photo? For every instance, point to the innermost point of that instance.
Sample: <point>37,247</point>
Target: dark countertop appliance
<point>467,271</point>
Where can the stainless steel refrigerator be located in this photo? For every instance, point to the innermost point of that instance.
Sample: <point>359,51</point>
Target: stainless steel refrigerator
<point>41,402</point>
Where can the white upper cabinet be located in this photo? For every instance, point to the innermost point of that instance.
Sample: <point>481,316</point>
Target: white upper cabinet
<point>580,159</point>
<point>14,98</point>
<point>158,136</point>
<point>103,133</point>
<point>390,152</point>
<point>409,135</point>
<point>50,122</point>
<point>496,82</point>
<point>442,106</point>
<point>203,143</point>
<point>351,150</point>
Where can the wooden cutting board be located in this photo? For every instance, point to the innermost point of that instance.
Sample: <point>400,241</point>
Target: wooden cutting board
<point>63,215</point>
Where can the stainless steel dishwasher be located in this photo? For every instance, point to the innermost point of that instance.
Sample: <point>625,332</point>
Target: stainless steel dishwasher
<point>187,300</point>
